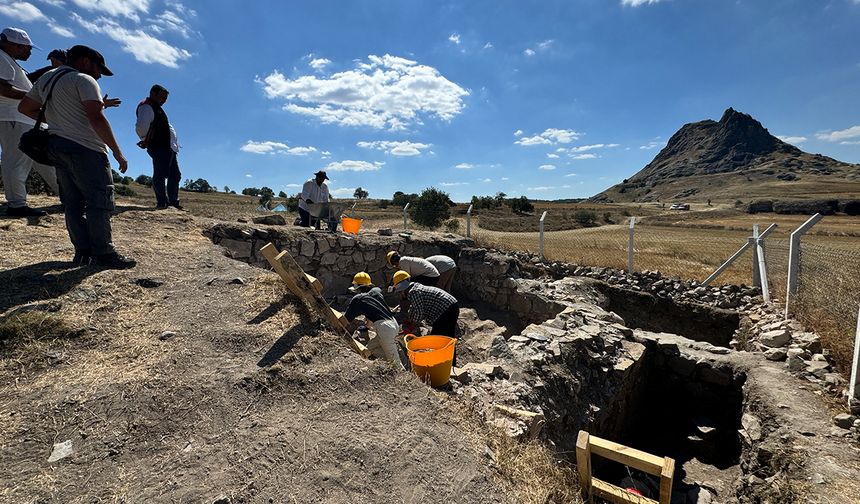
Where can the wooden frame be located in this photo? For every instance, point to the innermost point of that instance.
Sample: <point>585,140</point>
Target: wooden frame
<point>587,445</point>
<point>309,290</point>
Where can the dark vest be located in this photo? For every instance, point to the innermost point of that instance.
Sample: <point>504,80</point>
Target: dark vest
<point>159,130</point>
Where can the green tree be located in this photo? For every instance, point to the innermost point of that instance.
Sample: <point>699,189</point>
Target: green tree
<point>522,205</point>
<point>585,217</point>
<point>227,190</point>
<point>360,193</point>
<point>282,195</point>
<point>251,191</point>
<point>431,208</point>
<point>200,185</point>
<point>145,180</point>
<point>401,199</point>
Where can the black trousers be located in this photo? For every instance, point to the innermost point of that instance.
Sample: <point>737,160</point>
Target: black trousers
<point>305,218</point>
<point>446,324</point>
<point>425,280</point>
<point>165,168</point>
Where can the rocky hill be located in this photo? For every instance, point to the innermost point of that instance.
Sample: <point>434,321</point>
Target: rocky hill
<point>735,157</point>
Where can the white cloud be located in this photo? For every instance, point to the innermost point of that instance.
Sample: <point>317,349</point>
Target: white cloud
<point>550,136</point>
<point>546,167</point>
<point>518,133</point>
<point>350,165</point>
<point>570,175</point>
<point>505,178</point>
<point>452,184</point>
<point>847,142</point>
<point>115,8</point>
<point>248,175</point>
<point>551,155</point>
<point>486,180</point>
<point>292,186</point>
<point>652,145</point>
<point>546,44</point>
<point>404,148</point>
<point>55,3</point>
<point>455,38</point>
<point>464,166</point>
<point>584,148</point>
<point>22,11</point>
<point>840,135</point>
<point>549,188</point>
<point>269,147</point>
<point>583,156</point>
<point>143,46</point>
<point>319,64</point>
<point>529,52</point>
<point>637,3</point>
<point>174,21</point>
<point>488,45</point>
<point>387,92</point>
<point>343,191</point>
<point>792,139</point>
<point>61,30</point>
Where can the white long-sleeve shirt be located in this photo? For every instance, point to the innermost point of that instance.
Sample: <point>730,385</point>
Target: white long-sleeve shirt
<point>145,116</point>
<point>313,192</point>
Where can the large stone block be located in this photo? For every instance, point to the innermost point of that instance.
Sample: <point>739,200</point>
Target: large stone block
<point>238,249</point>
<point>307,248</point>
<point>775,339</point>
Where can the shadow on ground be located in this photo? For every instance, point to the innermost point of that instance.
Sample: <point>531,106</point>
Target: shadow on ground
<point>40,281</point>
<point>305,327</point>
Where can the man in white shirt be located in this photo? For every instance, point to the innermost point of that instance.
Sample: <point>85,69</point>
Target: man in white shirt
<point>158,137</point>
<point>15,44</point>
<point>315,190</point>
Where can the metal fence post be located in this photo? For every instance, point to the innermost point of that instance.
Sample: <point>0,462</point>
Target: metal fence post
<point>854,385</point>
<point>630,250</point>
<point>762,267</point>
<point>542,217</point>
<point>756,275</point>
<point>405,225</point>
<point>469,222</point>
<point>794,258</point>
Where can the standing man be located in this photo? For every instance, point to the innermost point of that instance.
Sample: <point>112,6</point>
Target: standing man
<point>15,44</point>
<point>315,190</point>
<point>81,135</point>
<point>158,137</point>
<point>428,304</point>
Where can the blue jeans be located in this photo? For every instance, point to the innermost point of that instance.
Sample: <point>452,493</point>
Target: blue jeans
<point>86,190</point>
<point>165,167</point>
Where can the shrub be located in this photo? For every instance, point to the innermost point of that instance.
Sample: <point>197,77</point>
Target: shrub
<point>452,226</point>
<point>522,205</point>
<point>360,193</point>
<point>585,217</point>
<point>126,180</point>
<point>401,199</point>
<point>123,190</point>
<point>607,218</point>
<point>383,203</point>
<point>145,180</point>
<point>431,208</point>
<point>851,207</point>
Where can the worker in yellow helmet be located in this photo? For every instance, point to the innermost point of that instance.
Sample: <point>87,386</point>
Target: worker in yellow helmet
<point>370,303</point>
<point>420,269</point>
<point>428,304</point>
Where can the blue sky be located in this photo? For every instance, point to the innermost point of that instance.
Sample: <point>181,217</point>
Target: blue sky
<point>551,99</point>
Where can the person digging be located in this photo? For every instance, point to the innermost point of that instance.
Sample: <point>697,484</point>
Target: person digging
<point>427,304</point>
<point>419,269</point>
<point>370,303</point>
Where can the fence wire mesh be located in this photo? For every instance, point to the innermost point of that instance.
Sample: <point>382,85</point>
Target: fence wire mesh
<point>828,283</point>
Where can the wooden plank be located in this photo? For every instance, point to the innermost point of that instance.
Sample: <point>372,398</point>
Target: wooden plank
<point>315,283</point>
<point>630,457</point>
<point>666,478</point>
<point>583,464</point>
<point>300,285</point>
<point>618,495</point>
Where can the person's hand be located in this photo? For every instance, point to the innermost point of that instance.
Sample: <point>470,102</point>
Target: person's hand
<point>111,102</point>
<point>123,163</point>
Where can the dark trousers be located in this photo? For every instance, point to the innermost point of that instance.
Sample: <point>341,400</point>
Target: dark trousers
<point>425,280</point>
<point>165,167</point>
<point>86,190</point>
<point>446,324</point>
<point>305,218</point>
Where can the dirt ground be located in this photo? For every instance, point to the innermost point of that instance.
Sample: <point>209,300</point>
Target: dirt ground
<point>193,378</point>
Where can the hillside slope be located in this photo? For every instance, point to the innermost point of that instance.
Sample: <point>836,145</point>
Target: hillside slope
<point>734,158</point>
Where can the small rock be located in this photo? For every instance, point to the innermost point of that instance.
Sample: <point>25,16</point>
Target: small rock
<point>839,432</point>
<point>844,420</point>
<point>775,339</point>
<point>499,348</point>
<point>817,368</point>
<point>221,500</point>
<point>61,451</point>
<point>385,232</point>
<point>817,479</point>
<point>166,335</point>
<point>751,428</point>
<point>237,281</point>
<point>795,359</point>
<point>775,354</point>
<point>273,220</point>
<point>149,283</point>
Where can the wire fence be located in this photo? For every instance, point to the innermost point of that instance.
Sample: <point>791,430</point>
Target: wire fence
<point>828,288</point>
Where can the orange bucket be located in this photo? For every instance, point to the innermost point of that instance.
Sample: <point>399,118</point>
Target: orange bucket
<point>350,225</point>
<point>431,357</point>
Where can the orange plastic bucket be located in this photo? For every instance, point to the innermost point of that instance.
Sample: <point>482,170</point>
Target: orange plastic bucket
<point>350,225</point>
<point>431,357</point>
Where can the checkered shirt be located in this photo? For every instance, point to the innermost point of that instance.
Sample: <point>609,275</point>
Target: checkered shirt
<point>428,303</point>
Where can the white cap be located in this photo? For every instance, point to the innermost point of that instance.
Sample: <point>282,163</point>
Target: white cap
<point>18,36</point>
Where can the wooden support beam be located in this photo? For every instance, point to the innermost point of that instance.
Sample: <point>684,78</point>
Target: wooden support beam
<point>618,495</point>
<point>583,464</point>
<point>631,457</point>
<point>302,286</point>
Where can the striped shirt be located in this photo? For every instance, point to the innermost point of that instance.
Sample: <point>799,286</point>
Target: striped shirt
<point>428,303</point>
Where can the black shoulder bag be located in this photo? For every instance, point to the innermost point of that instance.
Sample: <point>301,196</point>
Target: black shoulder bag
<point>34,143</point>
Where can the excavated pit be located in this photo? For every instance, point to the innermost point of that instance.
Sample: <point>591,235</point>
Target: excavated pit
<point>698,322</point>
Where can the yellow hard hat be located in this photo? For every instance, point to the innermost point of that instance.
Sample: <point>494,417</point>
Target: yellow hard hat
<point>399,277</point>
<point>390,255</point>
<point>361,278</point>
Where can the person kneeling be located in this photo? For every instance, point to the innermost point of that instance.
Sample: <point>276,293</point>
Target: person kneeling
<point>370,303</point>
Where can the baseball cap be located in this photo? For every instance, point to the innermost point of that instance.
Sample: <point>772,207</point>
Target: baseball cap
<point>322,172</point>
<point>82,51</point>
<point>18,36</point>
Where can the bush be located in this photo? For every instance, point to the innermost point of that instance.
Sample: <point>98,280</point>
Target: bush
<point>123,190</point>
<point>145,180</point>
<point>431,208</point>
<point>607,218</point>
<point>126,180</point>
<point>585,217</point>
<point>401,199</point>
<point>452,226</point>
<point>383,203</point>
<point>117,178</point>
<point>851,207</point>
<point>522,205</point>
